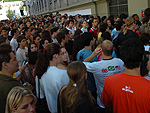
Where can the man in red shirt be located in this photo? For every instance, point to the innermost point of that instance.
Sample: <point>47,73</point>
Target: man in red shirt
<point>94,28</point>
<point>128,92</point>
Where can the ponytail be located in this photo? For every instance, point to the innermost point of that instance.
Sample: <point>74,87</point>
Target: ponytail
<point>125,30</point>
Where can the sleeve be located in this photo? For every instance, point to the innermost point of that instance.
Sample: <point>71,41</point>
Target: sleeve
<point>79,56</point>
<point>91,67</point>
<point>12,45</point>
<point>105,97</point>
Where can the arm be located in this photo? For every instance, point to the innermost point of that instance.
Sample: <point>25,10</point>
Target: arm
<point>95,53</point>
<point>22,68</point>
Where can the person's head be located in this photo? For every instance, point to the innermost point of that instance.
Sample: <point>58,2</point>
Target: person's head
<point>147,12</point>
<point>54,31</point>
<point>20,100</point>
<point>51,54</point>
<point>130,24</point>
<point>107,47</point>
<point>109,22</point>
<point>99,19</point>
<point>21,25</point>
<point>123,17</point>
<point>28,23</point>
<point>91,17</point>
<point>8,61</point>
<point>87,39</point>
<point>32,47</point>
<point>71,36</point>
<point>4,40</point>
<point>77,73</point>
<point>61,38</point>
<point>14,32</point>
<point>138,24</point>
<point>4,31</point>
<point>128,51</point>
<point>37,39</point>
<point>104,19</point>
<point>94,22</point>
<point>119,25</point>
<point>38,32</point>
<point>65,32</point>
<point>26,31</point>
<point>21,41</point>
<point>13,25</point>
<point>84,24</point>
<point>63,19</point>
<point>135,17</point>
<point>77,46</point>
<point>56,24</point>
<point>44,43</point>
<point>106,36</point>
<point>70,24</point>
<point>64,55</point>
<point>77,32</point>
<point>77,87</point>
<point>103,27</point>
<point>147,16</point>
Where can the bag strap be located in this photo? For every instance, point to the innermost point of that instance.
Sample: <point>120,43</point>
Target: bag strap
<point>60,97</point>
<point>39,87</point>
<point>92,29</point>
<point>115,37</point>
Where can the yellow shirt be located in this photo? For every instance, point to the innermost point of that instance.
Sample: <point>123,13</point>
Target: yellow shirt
<point>99,34</point>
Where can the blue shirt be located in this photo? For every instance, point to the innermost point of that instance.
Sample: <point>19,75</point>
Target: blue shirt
<point>84,53</point>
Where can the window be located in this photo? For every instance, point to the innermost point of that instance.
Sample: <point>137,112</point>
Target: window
<point>118,7</point>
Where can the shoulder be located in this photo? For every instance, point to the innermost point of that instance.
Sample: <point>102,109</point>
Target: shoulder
<point>113,77</point>
<point>26,49</point>
<point>118,60</point>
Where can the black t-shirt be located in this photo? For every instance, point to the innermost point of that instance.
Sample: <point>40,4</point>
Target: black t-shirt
<point>121,38</point>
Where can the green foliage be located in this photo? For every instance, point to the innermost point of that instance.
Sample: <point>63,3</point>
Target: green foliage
<point>10,13</point>
<point>21,7</point>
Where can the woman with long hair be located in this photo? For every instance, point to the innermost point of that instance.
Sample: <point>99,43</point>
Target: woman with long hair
<point>51,78</point>
<point>36,40</point>
<point>75,97</point>
<point>145,28</point>
<point>20,100</point>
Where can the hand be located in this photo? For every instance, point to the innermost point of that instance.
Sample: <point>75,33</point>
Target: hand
<point>97,51</point>
<point>22,68</point>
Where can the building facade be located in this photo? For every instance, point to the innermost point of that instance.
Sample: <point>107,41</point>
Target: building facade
<point>87,7</point>
<point>14,6</point>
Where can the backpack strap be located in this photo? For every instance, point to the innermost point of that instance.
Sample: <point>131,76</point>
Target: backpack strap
<point>92,29</point>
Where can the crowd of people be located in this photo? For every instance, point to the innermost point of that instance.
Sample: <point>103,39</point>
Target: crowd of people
<point>75,64</point>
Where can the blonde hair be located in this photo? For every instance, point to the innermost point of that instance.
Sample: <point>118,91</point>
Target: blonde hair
<point>129,21</point>
<point>15,97</point>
